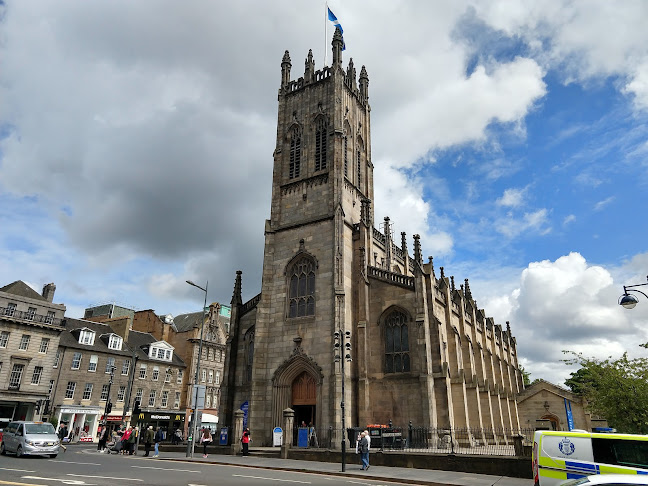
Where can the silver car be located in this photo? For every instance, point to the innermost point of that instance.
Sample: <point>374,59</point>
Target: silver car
<point>30,438</point>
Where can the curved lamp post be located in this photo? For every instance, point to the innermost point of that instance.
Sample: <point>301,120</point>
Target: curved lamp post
<point>628,300</point>
<point>194,415</point>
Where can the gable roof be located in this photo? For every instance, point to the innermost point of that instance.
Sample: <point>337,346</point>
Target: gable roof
<point>186,322</point>
<point>137,340</point>
<point>542,385</point>
<point>21,289</point>
<point>70,339</point>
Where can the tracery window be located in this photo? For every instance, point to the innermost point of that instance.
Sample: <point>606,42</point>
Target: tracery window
<point>301,293</point>
<point>295,154</point>
<point>320,144</point>
<point>397,356</point>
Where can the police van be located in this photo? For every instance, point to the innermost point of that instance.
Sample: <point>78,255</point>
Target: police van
<point>560,456</point>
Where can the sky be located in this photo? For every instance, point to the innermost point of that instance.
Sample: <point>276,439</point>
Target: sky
<point>136,143</point>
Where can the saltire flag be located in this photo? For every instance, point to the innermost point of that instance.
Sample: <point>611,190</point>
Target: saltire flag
<point>336,22</point>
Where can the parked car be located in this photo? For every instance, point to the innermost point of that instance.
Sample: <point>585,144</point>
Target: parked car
<point>30,438</point>
<point>608,480</point>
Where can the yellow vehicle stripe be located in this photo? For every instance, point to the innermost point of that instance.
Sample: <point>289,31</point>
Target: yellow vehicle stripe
<point>553,473</point>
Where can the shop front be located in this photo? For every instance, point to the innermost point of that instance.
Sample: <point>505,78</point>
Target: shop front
<point>164,419</point>
<point>82,422</point>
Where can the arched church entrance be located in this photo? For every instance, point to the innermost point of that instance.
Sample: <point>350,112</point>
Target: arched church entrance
<point>304,399</point>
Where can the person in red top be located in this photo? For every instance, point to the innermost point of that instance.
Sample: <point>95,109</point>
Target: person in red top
<point>245,440</point>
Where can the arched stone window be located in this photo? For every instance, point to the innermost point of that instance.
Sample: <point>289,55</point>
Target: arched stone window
<point>397,355</point>
<point>301,291</point>
<point>346,156</point>
<point>249,354</point>
<point>320,143</point>
<point>359,151</point>
<point>294,168</point>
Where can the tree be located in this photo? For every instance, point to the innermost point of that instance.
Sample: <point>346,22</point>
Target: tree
<point>615,389</point>
<point>526,376</point>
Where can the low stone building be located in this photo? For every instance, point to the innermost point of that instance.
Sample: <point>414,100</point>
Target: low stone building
<point>543,405</point>
<point>30,327</point>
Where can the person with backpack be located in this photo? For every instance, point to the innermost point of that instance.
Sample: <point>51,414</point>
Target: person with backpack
<point>206,439</point>
<point>159,437</point>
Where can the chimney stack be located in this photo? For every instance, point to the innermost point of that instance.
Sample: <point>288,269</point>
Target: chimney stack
<point>48,292</point>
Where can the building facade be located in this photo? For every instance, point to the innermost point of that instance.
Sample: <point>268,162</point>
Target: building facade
<point>30,329</point>
<point>420,348</point>
<point>184,333</point>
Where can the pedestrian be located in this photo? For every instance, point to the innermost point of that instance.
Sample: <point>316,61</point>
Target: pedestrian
<point>178,436</point>
<point>125,440</point>
<point>149,437</point>
<point>206,439</point>
<point>132,441</point>
<point>103,438</point>
<point>62,433</point>
<point>159,437</point>
<point>364,451</point>
<point>368,439</point>
<point>245,440</point>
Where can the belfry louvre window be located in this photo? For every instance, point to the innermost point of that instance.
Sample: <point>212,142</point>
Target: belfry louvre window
<point>302,289</point>
<point>397,357</point>
<point>320,144</point>
<point>295,154</point>
<point>359,166</point>
<point>346,157</point>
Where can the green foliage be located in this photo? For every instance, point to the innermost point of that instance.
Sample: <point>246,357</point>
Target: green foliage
<point>526,376</point>
<point>54,421</point>
<point>615,389</point>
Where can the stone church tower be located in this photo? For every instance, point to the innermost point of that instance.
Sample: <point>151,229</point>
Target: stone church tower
<point>422,351</point>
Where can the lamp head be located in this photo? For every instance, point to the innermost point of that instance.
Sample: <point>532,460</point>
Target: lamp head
<point>628,301</point>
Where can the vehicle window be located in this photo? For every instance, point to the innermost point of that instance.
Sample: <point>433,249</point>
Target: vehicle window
<point>630,453</point>
<point>19,431</point>
<point>11,428</point>
<point>39,428</point>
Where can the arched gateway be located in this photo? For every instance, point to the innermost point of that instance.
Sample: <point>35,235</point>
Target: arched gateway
<point>296,384</point>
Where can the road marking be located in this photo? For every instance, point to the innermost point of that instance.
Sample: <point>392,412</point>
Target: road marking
<point>72,462</point>
<point>270,479</point>
<point>102,477</point>
<point>165,469</point>
<point>64,481</point>
<point>17,470</point>
<point>19,484</point>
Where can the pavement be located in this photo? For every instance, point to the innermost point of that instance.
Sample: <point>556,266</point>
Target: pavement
<point>390,474</point>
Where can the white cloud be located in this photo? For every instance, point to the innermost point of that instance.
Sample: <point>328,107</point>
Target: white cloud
<point>511,198</point>
<point>605,202</point>
<point>536,221</point>
<point>569,219</point>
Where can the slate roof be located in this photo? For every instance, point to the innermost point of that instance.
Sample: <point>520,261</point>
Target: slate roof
<point>21,289</point>
<point>137,339</point>
<point>69,341</point>
<point>186,322</point>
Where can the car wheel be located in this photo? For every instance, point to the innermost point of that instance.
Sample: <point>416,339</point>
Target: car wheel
<point>53,456</point>
<point>19,452</point>
<point>2,449</point>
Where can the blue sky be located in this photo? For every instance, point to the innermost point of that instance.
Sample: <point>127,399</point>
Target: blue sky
<point>136,149</point>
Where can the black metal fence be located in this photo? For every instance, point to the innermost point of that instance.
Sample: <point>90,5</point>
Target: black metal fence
<point>471,440</point>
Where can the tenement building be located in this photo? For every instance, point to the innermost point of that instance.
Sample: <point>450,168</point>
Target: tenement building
<point>191,338</point>
<point>30,328</point>
<point>421,349</point>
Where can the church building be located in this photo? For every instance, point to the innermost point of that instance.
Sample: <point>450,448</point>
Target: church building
<point>419,348</point>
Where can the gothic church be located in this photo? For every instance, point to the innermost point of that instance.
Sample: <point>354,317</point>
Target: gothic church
<point>421,349</point>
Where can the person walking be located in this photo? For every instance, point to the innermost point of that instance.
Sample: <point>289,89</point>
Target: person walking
<point>206,439</point>
<point>149,437</point>
<point>178,436</point>
<point>103,438</point>
<point>62,433</point>
<point>124,439</point>
<point>159,437</point>
<point>364,451</point>
<point>245,440</point>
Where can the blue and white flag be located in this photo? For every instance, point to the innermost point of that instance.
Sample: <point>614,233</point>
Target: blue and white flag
<point>336,22</point>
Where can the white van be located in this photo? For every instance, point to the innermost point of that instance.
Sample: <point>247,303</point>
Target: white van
<point>559,456</point>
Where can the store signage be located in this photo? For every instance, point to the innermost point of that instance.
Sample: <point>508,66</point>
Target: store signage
<point>85,439</point>
<point>79,410</point>
<point>114,418</point>
<point>160,417</point>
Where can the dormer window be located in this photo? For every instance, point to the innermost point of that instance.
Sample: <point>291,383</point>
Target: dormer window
<point>86,336</point>
<point>161,351</point>
<point>115,342</point>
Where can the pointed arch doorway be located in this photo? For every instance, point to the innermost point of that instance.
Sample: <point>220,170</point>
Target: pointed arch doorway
<point>304,399</point>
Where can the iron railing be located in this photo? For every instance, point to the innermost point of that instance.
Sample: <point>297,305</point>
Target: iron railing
<point>12,313</point>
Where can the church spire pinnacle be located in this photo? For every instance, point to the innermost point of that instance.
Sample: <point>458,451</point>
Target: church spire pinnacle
<point>285,69</point>
<point>337,44</point>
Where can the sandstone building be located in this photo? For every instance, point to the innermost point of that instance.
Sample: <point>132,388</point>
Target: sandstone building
<point>422,350</point>
<point>30,328</point>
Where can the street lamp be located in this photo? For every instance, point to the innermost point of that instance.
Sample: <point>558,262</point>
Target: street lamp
<point>194,414</point>
<point>108,407</point>
<point>342,349</point>
<point>627,300</point>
